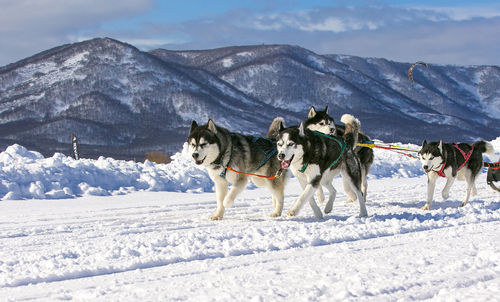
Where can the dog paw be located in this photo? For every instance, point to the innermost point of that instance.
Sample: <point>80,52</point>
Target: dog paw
<point>426,208</point>
<point>216,217</point>
<point>291,213</point>
<point>328,211</point>
<point>463,204</point>
<point>445,195</point>
<point>274,215</point>
<point>350,200</point>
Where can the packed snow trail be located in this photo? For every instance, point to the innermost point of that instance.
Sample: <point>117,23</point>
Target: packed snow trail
<point>162,246</point>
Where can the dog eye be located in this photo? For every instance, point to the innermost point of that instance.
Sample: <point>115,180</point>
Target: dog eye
<point>431,158</point>
<point>280,144</point>
<point>321,124</point>
<point>291,144</point>
<point>203,145</point>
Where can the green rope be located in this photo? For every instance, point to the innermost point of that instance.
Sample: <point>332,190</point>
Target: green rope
<point>342,148</point>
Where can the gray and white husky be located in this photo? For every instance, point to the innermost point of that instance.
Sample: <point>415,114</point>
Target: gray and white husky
<point>315,159</point>
<point>223,152</point>
<point>320,120</point>
<point>462,161</point>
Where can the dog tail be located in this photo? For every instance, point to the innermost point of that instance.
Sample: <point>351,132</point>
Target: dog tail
<point>352,128</point>
<point>275,126</point>
<point>484,147</point>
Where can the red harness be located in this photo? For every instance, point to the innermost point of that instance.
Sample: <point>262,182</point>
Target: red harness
<point>466,159</point>
<point>440,172</point>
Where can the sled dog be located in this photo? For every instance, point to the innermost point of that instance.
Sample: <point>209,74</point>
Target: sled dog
<point>223,153</point>
<point>315,158</point>
<point>451,161</point>
<point>321,121</point>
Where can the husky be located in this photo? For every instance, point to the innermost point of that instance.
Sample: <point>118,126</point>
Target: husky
<point>321,121</point>
<point>225,153</point>
<point>451,161</point>
<point>315,158</point>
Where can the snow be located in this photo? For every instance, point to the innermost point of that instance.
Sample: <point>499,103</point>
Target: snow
<point>27,174</point>
<point>340,90</point>
<point>126,231</point>
<point>228,62</point>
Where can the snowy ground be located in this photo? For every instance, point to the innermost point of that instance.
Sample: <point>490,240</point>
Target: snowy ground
<point>161,246</point>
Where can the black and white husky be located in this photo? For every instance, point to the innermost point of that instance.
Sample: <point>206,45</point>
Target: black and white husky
<point>315,158</point>
<point>225,153</point>
<point>451,161</point>
<point>321,121</point>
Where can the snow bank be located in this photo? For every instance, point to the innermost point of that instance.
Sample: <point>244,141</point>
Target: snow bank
<point>391,164</point>
<point>27,174</point>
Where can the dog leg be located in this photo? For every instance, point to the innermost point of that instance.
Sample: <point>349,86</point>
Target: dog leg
<point>357,191</point>
<point>331,197</point>
<point>431,185</point>
<point>320,195</point>
<point>364,181</point>
<point>351,194</point>
<point>474,189</point>
<point>469,180</point>
<point>317,211</point>
<point>447,186</point>
<point>278,198</point>
<point>306,195</point>
<point>236,188</point>
<point>220,193</point>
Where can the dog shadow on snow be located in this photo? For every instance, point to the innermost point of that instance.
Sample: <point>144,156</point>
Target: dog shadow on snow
<point>419,215</point>
<point>439,205</point>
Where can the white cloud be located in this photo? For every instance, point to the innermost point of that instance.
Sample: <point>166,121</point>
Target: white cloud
<point>30,26</point>
<point>463,13</point>
<point>400,33</point>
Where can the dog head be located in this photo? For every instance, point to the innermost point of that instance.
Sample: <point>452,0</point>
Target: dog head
<point>320,121</point>
<point>431,155</point>
<point>204,146</point>
<point>289,144</point>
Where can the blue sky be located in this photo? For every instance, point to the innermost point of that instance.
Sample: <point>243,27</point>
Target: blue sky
<point>440,32</point>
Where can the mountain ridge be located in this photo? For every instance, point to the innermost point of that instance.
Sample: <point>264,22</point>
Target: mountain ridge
<point>123,102</point>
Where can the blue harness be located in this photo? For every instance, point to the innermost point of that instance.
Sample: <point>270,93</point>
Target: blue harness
<point>342,148</point>
<point>266,159</point>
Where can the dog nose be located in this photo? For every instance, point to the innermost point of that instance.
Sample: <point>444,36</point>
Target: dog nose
<point>426,167</point>
<point>195,155</point>
<point>281,156</point>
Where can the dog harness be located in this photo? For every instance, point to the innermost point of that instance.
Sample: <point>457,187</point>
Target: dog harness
<point>440,172</point>
<point>266,159</point>
<point>466,159</point>
<point>342,148</point>
<point>466,156</point>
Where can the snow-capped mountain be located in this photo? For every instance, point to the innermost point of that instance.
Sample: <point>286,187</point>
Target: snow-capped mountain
<point>123,102</point>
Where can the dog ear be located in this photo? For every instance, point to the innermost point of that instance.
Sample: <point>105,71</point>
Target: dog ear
<point>424,143</point>
<point>211,126</point>
<point>301,129</point>
<point>194,125</point>
<point>282,126</point>
<point>312,112</point>
<point>326,109</point>
<point>440,147</point>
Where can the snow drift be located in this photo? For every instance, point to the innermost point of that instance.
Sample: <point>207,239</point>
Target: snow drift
<point>27,174</point>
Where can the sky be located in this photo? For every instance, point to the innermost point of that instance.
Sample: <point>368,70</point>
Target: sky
<point>439,32</point>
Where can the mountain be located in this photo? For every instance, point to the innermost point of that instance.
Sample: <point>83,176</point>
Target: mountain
<point>123,102</point>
